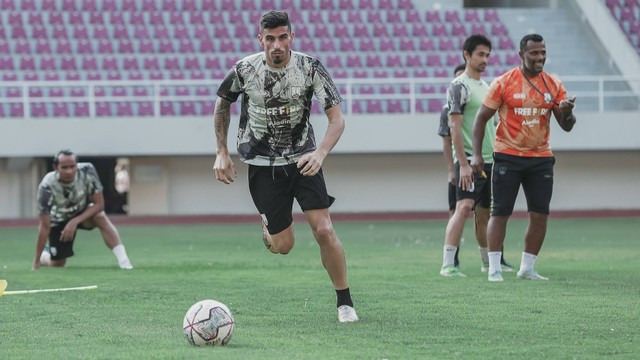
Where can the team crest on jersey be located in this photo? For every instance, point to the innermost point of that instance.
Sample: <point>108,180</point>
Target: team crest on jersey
<point>547,98</point>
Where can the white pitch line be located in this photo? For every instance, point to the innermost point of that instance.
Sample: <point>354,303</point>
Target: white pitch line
<point>18,292</point>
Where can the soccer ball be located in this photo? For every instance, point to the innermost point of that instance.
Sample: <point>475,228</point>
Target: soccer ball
<point>208,323</point>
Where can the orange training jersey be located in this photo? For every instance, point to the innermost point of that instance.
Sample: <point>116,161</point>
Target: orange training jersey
<point>524,111</point>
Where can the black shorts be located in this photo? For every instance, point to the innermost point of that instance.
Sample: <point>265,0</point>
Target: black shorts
<point>481,193</point>
<point>452,196</point>
<point>534,173</point>
<point>61,250</point>
<point>273,189</point>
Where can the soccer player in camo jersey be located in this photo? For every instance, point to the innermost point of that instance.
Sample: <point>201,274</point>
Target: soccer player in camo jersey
<point>70,198</point>
<point>276,140</point>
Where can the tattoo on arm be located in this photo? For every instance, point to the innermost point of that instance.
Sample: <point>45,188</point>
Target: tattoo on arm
<point>222,119</point>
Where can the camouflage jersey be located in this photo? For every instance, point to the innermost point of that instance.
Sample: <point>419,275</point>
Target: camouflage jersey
<point>65,201</point>
<point>274,127</point>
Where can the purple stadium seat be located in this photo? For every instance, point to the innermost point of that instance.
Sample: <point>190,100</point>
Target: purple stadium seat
<point>400,73</point>
<point>413,60</point>
<point>77,92</point>
<point>196,17</point>
<point>327,44</point>
<point>458,29</point>
<point>55,17</point>
<point>191,62</point>
<point>512,59</point>
<point>100,32</point>
<point>135,75</point>
<point>28,5</point>
<point>6,63</point>
<point>43,46</point>
<point>116,17</point>
<point>393,16</point>
<point>505,43</point>
<point>435,105</point>
<point>334,61</point>
<point>412,16</point>
<point>22,47</point>
<point>125,46</point>
<point>361,30</point>
<point>451,16</point>
<point>166,108</point>
<point>367,44</point>
<point>248,45</point>
<point>374,17</point>
<point>478,28</point>
<point>114,75</point>
<point>109,63</point>
<point>145,108</point>
<point>16,110</point>
<point>190,5</point>
<point>31,76</point>
<point>39,110</point>
<point>170,5</point>
<point>229,5</point>
<point>145,46</point>
<point>380,74</point>
<point>129,5</point>
<point>386,4</point>
<point>207,107</point>
<point>165,46</point>
<point>35,18</point>
<point>85,46</point>
<point>494,59</point>
<point>72,76</point>
<point>59,32</point>
<point>149,5</point>
<point>49,5</point>
<point>626,14</point>
<point>307,45</point>
<point>151,63</point>
<point>407,44</point>
<point>354,61</point>
<point>18,32</point>
<point>433,16</point>
<point>373,60</point>
<point>80,32</point>
<point>108,5</point>
<point>346,5</point>
<point>4,47</point>
<point>387,44</point>
<point>203,91</point>
<point>177,75</point>
<point>433,59</point>
<point>353,17</point>
<point>498,29</point>
<point>80,109</point>
<point>227,45</point>
<point>130,62</point>
<point>439,29</point>
<point>400,30</point>
<point>340,30</point>
<point>307,5</point>
<point>96,17</point>
<point>396,106</point>
<point>120,31</point>
<point>394,60</point>
<point>374,106</point>
<point>171,62</point>
<point>269,5</point>
<point>35,92</point>
<point>327,4</point>
<point>440,73</point>
<point>14,93</point>
<point>103,109</point>
<point>446,44</point>
<point>201,32</point>
<point>346,44</point>
<point>136,18</point>
<point>335,17</point>
<point>156,18</point>
<point>124,108</point>
<point>94,76</point>
<point>453,59</point>
<point>38,32</point>
<point>176,18</point>
<point>47,63</point>
<point>212,62</point>
<point>15,18</point>
<point>360,74</point>
<point>27,63</point>
<point>60,110</point>
<point>471,16</point>
<point>221,31</point>
<point>105,47</point>
<point>56,92</point>
<point>491,15</point>
<point>187,108</point>
<point>9,76</point>
<point>241,32</point>
<point>75,18</point>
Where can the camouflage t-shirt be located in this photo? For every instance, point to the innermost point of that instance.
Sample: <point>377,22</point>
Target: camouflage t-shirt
<point>65,201</point>
<point>274,124</point>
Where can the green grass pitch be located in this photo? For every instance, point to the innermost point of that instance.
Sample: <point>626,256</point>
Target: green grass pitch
<point>284,306</point>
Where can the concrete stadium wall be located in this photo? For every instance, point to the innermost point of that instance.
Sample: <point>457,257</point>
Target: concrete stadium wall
<point>381,164</point>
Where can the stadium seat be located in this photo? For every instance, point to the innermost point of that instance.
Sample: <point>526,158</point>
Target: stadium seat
<point>393,16</point>
<point>60,110</point>
<point>6,63</point>
<point>373,60</point>
<point>81,109</point>
<point>367,45</point>
<point>145,108</point>
<point>394,61</point>
<point>43,46</point>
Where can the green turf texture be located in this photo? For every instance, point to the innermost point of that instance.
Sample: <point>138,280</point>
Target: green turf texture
<point>284,306</point>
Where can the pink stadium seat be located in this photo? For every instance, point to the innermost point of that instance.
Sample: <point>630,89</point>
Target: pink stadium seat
<point>165,46</point>
<point>446,44</point>
<point>72,76</point>
<point>145,46</point>
<point>196,17</point>
<point>14,93</point>
<point>227,45</point>
<point>35,92</point>
<point>361,30</point>
<point>94,76</point>
<point>327,44</point>
<point>177,75</point>
<point>171,62</point>
<point>498,29</point>
<point>49,5</point>
<point>505,43</point>
<point>135,75</point>
<point>156,75</point>
<point>315,17</point>
<point>400,73</point>
<point>85,46</point>
<point>38,110</point>
<point>346,44</point>
<point>80,32</point>
<point>374,106</point>
<point>494,59</point>
<point>220,31</point>
<point>31,76</point>
<point>75,18</point>
<point>166,108</point>
<point>120,31</point>
<point>116,17</point>
<point>124,108</point>
<point>105,47</point>
<point>426,44</point>
<point>16,110</point>
<point>385,4</point>
<point>125,46</point>
<point>4,47</point>
<point>289,5</point>
<point>145,108</point>
<point>269,5</point>
<point>478,28</point>
<point>307,45</point>
<point>108,5</point>
<point>326,4</point>
<point>458,29</point>
<point>307,5</point>
<point>512,59</point>
<point>55,17</point>
<point>471,15</point>
<point>149,5</point>
<point>396,106</point>
<point>151,63</point>
<point>68,63</point>
<point>100,32</point>
<point>15,18</point>
<point>103,109</point>
<point>156,18</point>
<point>413,16</point>
<point>9,76</point>
<point>366,4</point>
<point>187,108</point>
<point>242,32</point>
<point>439,30</point>
<point>176,18</point>
<point>129,5</point>
<point>374,17</point>
<point>114,75</point>
<point>109,63</point>
<point>212,62</point>
<point>405,5</point>
<point>440,73</point>
<point>335,17</point>
<point>201,32</point>
<point>491,15</point>
<point>136,18</point>
<point>207,107</point>
<point>341,31</point>
<point>346,4</point>
<point>302,31</point>
<point>28,5</point>
<point>454,59</point>
<point>56,92</point>
<point>380,74</point>
<point>35,18</point>
<point>451,16</point>
<point>353,17</point>
<point>18,32</point>
<point>433,59</point>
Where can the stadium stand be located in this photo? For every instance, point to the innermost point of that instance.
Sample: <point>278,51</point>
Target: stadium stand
<point>91,41</point>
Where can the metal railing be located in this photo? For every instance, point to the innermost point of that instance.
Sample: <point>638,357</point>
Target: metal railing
<point>595,93</point>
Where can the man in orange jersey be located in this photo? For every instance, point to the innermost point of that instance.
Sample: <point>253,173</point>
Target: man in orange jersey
<point>525,98</point>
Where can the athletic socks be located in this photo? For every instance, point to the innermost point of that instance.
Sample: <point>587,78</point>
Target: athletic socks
<point>344,297</point>
<point>527,263</point>
<point>494,261</point>
<point>121,255</point>
<point>448,257</point>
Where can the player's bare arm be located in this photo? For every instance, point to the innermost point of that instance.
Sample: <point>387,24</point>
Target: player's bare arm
<point>479,125</point>
<point>564,114</point>
<point>223,167</point>
<point>309,164</point>
<point>466,172</point>
<point>448,158</point>
<point>44,227</point>
<point>97,205</point>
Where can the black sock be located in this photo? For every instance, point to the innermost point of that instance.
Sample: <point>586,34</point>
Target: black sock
<point>344,297</point>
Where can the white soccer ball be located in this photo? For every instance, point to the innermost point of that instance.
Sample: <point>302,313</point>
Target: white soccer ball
<point>208,323</point>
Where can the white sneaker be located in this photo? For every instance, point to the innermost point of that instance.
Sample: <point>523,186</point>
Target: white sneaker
<point>485,267</point>
<point>125,265</point>
<point>45,257</point>
<point>530,275</point>
<point>495,276</point>
<point>347,313</point>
